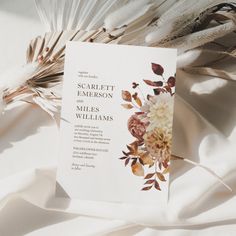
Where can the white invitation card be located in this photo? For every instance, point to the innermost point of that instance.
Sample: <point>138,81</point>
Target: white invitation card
<point>116,123</point>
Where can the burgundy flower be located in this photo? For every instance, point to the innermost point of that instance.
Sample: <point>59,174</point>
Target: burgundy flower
<point>136,127</point>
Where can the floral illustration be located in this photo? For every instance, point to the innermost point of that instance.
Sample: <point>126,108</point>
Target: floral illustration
<point>151,126</point>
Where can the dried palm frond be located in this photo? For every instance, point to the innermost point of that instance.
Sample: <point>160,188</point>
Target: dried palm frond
<point>145,22</point>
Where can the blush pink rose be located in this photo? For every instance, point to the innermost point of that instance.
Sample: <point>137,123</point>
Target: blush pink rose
<point>136,127</point>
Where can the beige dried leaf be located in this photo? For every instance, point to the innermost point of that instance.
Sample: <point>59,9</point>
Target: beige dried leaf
<point>126,95</point>
<point>127,106</point>
<point>160,176</point>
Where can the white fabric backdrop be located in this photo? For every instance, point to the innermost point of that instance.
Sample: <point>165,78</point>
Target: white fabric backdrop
<point>198,204</point>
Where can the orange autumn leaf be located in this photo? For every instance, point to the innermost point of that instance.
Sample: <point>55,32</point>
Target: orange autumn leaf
<point>138,101</point>
<point>160,176</point>
<point>133,148</point>
<point>150,181</point>
<point>150,175</point>
<point>126,96</point>
<point>137,169</point>
<point>147,188</point>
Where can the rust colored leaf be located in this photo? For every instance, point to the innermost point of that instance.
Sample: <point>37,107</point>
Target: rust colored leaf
<point>139,113</point>
<point>141,161</point>
<point>160,176</point>
<point>134,162</point>
<point>146,188</point>
<point>127,161</point>
<point>133,148</point>
<point>157,69</point>
<point>154,83</point>
<point>157,186</point>
<point>148,176</point>
<point>127,106</point>
<point>137,169</point>
<point>125,153</point>
<point>149,82</point>
<point>129,147</point>
<point>150,181</point>
<point>126,96</point>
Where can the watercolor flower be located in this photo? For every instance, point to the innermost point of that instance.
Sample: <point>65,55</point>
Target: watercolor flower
<point>158,143</point>
<point>151,125</point>
<point>136,127</point>
<point>159,111</point>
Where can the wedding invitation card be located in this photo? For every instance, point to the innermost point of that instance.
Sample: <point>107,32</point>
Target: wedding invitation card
<point>116,123</point>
